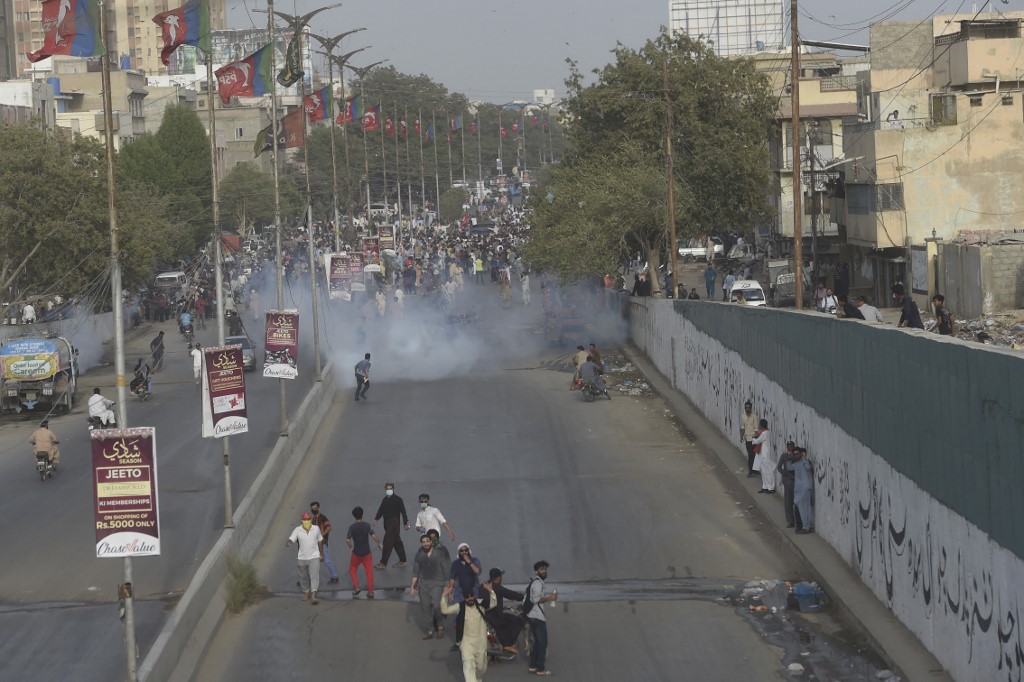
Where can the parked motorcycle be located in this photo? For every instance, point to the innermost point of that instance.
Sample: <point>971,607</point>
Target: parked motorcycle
<point>44,466</point>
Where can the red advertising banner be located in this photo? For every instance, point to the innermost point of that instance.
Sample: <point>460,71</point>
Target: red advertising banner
<point>358,260</point>
<point>124,485</point>
<point>371,248</point>
<point>281,345</point>
<point>224,411</point>
<point>386,237</point>
<point>339,275</point>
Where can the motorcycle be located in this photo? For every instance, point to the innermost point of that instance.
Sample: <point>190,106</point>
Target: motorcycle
<point>44,466</point>
<point>97,423</point>
<point>591,391</point>
<point>496,652</point>
<point>140,389</point>
<point>188,333</point>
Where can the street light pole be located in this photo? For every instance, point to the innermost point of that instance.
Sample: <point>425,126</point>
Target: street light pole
<point>673,249</point>
<point>798,247</point>
<point>361,72</point>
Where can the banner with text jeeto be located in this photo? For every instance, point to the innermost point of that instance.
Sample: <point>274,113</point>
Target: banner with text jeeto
<point>281,344</point>
<point>356,263</point>
<point>124,486</point>
<point>339,275</point>
<point>224,412</point>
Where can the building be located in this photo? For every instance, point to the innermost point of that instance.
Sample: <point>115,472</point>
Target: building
<point>25,102</point>
<point>735,27</point>
<point>80,108</point>
<point>939,150</point>
<point>137,41</point>
<point>545,97</point>
<point>7,59</point>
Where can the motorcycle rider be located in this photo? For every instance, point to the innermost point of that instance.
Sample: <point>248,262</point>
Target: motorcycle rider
<point>590,373</point>
<point>185,322</point>
<point>99,408</point>
<point>45,440</point>
<point>142,375</point>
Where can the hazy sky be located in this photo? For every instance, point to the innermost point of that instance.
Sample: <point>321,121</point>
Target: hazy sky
<point>501,51</point>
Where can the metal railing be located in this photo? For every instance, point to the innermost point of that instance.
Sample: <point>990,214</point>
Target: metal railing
<point>901,124</point>
<point>834,83</point>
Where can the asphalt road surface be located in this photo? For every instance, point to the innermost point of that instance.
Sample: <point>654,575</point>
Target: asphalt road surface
<point>649,546</point>
<point>58,602</point>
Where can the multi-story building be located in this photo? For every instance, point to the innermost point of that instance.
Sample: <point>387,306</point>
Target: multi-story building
<point>134,39</point>
<point>7,61</point>
<point>735,27</point>
<point>939,148</point>
<point>27,102</point>
<point>545,96</point>
<point>81,109</point>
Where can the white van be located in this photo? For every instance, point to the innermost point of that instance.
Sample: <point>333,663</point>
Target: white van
<point>175,279</point>
<point>752,292</point>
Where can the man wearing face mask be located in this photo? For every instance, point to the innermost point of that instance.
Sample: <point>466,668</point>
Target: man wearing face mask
<point>431,518</point>
<point>392,510</point>
<point>311,553</point>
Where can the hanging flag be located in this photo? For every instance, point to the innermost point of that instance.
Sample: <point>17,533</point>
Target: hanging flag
<point>292,71</point>
<point>389,127</point>
<point>403,127</point>
<point>473,127</point>
<point>249,77</point>
<point>185,25</point>
<point>370,121</point>
<point>350,112</point>
<point>515,127</point>
<point>318,105</point>
<point>504,133</point>
<point>291,132</point>
<point>70,27</point>
<point>416,127</point>
<point>456,122</point>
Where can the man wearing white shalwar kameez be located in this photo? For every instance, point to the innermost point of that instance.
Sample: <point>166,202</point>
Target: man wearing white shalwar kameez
<point>763,461</point>
<point>474,633</point>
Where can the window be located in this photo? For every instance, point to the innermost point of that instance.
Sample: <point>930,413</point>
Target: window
<point>975,100</point>
<point>858,199</point>
<point>239,133</point>
<point>1007,100</point>
<point>821,133</point>
<point>890,197</point>
<point>943,110</point>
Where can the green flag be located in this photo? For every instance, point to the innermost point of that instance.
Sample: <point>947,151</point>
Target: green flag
<point>292,71</point>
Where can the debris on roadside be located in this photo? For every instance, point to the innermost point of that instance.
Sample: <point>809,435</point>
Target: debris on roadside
<point>1003,329</point>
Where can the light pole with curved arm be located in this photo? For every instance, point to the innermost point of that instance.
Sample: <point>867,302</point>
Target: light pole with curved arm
<point>361,72</point>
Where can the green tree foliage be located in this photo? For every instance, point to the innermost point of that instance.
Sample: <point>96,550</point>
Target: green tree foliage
<point>608,190</point>
<point>183,139</point>
<point>53,211</point>
<point>452,202</point>
<point>247,197</point>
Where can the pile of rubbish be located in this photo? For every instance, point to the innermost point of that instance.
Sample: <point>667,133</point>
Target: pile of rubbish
<point>624,377</point>
<point>1005,330</point>
<point>773,596</point>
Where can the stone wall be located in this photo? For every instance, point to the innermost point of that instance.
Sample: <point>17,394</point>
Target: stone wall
<point>916,443</point>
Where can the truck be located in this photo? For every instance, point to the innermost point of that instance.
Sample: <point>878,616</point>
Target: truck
<point>690,254</point>
<point>38,373</point>
<point>782,283</point>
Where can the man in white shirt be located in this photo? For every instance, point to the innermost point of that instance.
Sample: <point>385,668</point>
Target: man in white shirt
<point>765,460</point>
<point>431,518</point>
<point>28,314</point>
<point>311,553</point>
<point>100,407</point>
<point>197,361</point>
<point>870,312</point>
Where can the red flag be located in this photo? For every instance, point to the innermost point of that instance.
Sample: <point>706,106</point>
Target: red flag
<point>416,126</point>
<point>370,121</point>
<point>318,105</point>
<point>403,127</point>
<point>504,133</point>
<point>472,127</point>
<point>515,127</point>
<point>389,127</point>
<point>350,111</point>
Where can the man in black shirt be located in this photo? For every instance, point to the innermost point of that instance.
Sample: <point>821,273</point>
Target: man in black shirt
<point>358,540</point>
<point>910,316</point>
<point>944,322</point>
<point>507,626</point>
<point>847,309</point>
<point>392,510</point>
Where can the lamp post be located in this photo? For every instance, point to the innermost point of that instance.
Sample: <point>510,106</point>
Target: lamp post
<point>360,73</point>
<point>329,44</point>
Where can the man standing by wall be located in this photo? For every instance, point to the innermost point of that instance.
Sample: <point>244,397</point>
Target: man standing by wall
<point>910,315</point>
<point>748,427</point>
<point>709,279</point>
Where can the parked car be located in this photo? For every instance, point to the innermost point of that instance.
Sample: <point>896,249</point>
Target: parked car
<point>752,292</point>
<point>690,254</point>
<point>248,351</point>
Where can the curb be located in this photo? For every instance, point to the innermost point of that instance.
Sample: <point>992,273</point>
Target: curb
<point>179,646</point>
<point>898,646</point>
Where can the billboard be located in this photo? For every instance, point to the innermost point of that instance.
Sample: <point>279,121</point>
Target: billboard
<point>124,490</point>
<point>224,411</point>
<point>281,344</point>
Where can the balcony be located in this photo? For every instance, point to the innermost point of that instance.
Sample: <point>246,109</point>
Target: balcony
<point>870,126</point>
<point>978,53</point>
<point>837,83</point>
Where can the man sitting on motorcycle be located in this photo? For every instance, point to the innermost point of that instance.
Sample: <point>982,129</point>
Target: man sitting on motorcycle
<point>99,407</point>
<point>590,373</point>
<point>185,322</point>
<point>507,626</point>
<point>142,376</point>
<point>45,440</point>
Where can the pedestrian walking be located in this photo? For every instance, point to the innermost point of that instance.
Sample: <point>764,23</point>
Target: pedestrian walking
<point>156,346</point>
<point>321,521</point>
<point>748,427</point>
<point>535,614</point>
<point>472,616</point>
<point>786,478</point>
<point>463,579</point>
<point>945,323</point>
<point>803,490</point>
<point>392,510</point>
<point>197,361</point>
<point>310,545</point>
<point>524,285</point>
<point>763,460</point>
<point>362,370</point>
<point>358,539</point>
<point>727,285</point>
<point>430,569</point>
<point>430,518</point>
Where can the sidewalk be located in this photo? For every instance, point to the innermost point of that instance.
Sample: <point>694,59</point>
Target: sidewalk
<point>898,646</point>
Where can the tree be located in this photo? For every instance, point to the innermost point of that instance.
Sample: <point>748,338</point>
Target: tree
<point>452,202</point>
<point>721,112</point>
<point>247,197</point>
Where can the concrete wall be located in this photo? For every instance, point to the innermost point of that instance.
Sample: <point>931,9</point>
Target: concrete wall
<point>916,445</point>
<point>982,280</point>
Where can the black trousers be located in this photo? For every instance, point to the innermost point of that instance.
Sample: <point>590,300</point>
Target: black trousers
<point>750,456</point>
<point>788,503</point>
<point>392,540</point>
<point>361,385</point>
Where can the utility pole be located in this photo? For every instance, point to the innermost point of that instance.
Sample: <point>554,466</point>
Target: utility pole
<point>126,590</point>
<point>279,261</point>
<point>349,203</point>
<point>673,249</point>
<point>798,247</point>
<point>815,199</point>
<point>366,154</point>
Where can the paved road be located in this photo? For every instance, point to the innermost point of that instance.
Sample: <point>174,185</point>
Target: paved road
<point>57,600</point>
<point>648,545</point>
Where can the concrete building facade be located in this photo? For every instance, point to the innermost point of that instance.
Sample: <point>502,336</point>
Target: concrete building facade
<point>735,27</point>
<point>78,81</point>
<point>940,146</point>
<point>8,69</point>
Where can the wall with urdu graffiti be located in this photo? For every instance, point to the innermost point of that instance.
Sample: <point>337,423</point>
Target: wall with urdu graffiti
<point>916,444</point>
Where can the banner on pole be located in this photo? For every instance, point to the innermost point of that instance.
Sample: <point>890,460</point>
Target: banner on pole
<point>124,486</point>
<point>356,268</point>
<point>224,411</point>
<point>339,275</point>
<point>281,344</point>
<point>386,236</point>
